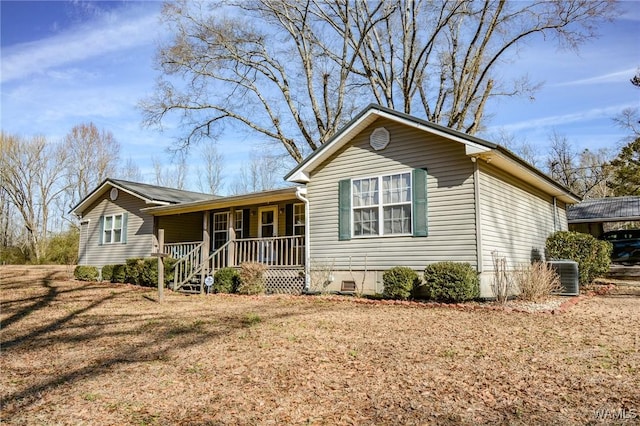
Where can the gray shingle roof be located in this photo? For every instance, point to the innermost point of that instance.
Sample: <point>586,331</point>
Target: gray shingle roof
<point>610,209</point>
<point>163,194</point>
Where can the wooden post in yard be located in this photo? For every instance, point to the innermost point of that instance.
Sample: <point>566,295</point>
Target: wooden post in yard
<point>161,265</point>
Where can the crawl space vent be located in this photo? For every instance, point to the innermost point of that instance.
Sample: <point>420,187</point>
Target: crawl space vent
<point>348,286</point>
<point>379,139</point>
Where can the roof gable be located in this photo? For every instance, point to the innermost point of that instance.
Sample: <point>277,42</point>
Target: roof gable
<point>474,147</point>
<point>150,194</point>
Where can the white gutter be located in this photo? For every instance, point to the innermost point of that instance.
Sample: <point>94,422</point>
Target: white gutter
<point>301,193</point>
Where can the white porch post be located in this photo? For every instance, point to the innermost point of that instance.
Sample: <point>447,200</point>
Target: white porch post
<point>231,250</point>
<point>206,244</point>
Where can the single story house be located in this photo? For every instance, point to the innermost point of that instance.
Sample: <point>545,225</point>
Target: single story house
<point>388,189</point>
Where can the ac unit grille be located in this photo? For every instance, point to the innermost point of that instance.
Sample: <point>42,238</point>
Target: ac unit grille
<point>569,275</point>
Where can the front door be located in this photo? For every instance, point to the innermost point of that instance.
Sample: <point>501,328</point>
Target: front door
<point>268,221</point>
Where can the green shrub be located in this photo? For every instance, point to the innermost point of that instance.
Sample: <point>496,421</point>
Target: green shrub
<point>119,273</point>
<point>226,280</point>
<point>107,272</point>
<point>62,248</point>
<point>593,256</point>
<point>86,273</point>
<point>252,279</point>
<point>143,271</point>
<point>450,282</point>
<point>399,282</point>
<point>133,270</point>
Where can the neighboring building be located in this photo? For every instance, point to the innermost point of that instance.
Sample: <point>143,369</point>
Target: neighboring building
<point>593,215</point>
<point>389,189</point>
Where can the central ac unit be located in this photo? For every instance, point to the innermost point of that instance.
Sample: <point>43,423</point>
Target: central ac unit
<point>569,275</point>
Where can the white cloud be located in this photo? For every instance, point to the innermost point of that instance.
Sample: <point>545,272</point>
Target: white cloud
<point>562,119</point>
<point>112,33</point>
<point>613,77</point>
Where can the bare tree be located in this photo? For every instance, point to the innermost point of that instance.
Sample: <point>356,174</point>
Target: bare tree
<point>525,150</point>
<point>629,118</point>
<point>93,155</point>
<point>210,174</point>
<point>173,175</point>
<point>33,177</point>
<point>129,171</point>
<point>262,172</point>
<point>586,173</point>
<point>295,71</point>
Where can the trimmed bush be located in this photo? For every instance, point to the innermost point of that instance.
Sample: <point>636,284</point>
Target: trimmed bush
<point>133,270</point>
<point>119,273</point>
<point>86,273</point>
<point>107,272</point>
<point>226,280</point>
<point>399,282</point>
<point>450,282</point>
<point>252,279</point>
<point>142,271</point>
<point>593,256</point>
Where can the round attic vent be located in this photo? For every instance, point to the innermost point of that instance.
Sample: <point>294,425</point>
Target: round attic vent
<point>379,138</point>
<point>113,194</point>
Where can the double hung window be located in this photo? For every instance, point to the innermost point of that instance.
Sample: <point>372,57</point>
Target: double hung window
<point>112,229</point>
<point>382,205</point>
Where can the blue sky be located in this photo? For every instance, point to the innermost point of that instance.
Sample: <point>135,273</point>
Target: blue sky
<point>66,63</point>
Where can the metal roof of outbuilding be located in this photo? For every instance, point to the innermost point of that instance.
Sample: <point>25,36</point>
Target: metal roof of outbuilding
<point>610,209</point>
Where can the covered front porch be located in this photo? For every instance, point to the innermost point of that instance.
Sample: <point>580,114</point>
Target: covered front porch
<point>266,227</point>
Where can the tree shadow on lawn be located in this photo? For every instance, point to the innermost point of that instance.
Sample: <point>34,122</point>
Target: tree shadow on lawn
<point>40,302</point>
<point>140,337</point>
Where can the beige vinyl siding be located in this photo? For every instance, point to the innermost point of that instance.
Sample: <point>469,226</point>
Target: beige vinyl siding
<point>139,231</point>
<point>516,219</point>
<point>450,201</point>
<point>181,228</point>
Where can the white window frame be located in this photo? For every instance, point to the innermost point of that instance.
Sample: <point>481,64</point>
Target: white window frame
<point>380,206</point>
<point>219,231</point>
<point>238,223</point>
<point>112,231</point>
<point>298,212</point>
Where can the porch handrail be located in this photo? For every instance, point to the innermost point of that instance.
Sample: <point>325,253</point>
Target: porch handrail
<point>179,250</point>
<point>187,266</point>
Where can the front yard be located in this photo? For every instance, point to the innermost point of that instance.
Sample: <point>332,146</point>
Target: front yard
<point>89,353</point>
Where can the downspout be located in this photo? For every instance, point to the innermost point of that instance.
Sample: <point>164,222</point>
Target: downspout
<point>301,193</point>
<point>476,193</point>
<point>555,215</point>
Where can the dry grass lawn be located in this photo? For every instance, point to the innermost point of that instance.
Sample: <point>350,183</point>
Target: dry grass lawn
<point>89,353</point>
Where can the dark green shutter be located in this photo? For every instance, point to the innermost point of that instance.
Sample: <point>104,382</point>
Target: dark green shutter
<point>246,223</point>
<point>288,218</point>
<point>125,218</point>
<point>101,230</point>
<point>419,197</point>
<point>344,210</point>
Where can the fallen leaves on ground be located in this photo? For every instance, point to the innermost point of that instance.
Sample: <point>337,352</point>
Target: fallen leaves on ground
<point>90,353</point>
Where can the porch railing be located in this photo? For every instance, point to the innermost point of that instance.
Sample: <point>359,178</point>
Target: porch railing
<point>180,250</point>
<point>274,252</point>
<point>187,266</point>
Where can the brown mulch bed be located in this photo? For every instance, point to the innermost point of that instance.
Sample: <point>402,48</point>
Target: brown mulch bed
<point>89,353</point>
